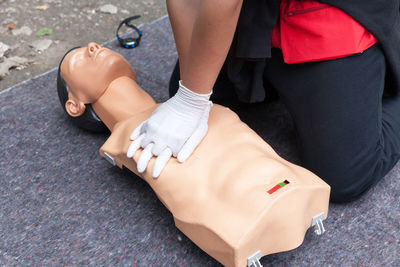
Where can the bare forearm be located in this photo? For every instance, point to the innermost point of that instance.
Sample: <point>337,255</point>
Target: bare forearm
<point>182,15</point>
<point>204,41</point>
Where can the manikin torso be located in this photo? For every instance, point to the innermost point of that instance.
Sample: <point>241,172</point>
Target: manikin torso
<point>218,197</point>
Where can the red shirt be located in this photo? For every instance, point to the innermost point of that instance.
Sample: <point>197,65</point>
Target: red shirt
<point>311,31</point>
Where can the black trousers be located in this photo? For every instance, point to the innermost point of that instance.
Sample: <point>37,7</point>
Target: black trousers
<point>348,131</point>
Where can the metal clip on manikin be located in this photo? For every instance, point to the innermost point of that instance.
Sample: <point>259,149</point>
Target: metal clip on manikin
<point>109,158</point>
<point>317,221</point>
<point>254,260</point>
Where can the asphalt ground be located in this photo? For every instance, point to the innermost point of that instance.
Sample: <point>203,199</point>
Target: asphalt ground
<point>73,23</point>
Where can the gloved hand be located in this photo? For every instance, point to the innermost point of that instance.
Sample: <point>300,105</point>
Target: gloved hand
<point>175,128</point>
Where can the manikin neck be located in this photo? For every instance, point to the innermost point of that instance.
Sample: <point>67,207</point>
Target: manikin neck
<point>122,99</point>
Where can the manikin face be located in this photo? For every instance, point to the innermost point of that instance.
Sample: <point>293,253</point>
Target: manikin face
<point>88,71</point>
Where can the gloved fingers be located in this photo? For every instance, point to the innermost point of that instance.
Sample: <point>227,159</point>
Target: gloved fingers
<point>192,142</point>
<point>158,147</point>
<point>135,134</point>
<point>144,158</point>
<point>134,146</point>
<point>161,161</point>
<point>147,140</point>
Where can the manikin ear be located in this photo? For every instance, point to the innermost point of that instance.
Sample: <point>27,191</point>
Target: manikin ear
<point>74,108</point>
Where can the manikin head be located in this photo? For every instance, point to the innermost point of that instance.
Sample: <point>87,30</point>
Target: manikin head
<point>87,72</point>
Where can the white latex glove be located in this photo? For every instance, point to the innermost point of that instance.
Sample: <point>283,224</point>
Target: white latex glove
<point>175,128</point>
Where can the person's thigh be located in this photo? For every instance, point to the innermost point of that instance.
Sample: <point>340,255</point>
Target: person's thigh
<point>343,135</point>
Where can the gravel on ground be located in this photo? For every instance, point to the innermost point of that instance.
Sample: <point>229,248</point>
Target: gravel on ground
<point>35,34</point>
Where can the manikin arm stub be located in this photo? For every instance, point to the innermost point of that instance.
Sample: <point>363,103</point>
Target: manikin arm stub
<point>178,125</point>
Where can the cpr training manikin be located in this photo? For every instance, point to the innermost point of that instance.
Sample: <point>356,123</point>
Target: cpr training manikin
<point>234,197</point>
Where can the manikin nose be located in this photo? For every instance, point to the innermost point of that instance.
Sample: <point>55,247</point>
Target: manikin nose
<point>92,48</point>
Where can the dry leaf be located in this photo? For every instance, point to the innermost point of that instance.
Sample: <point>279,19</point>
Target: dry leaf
<point>10,63</point>
<point>41,7</point>
<point>11,26</point>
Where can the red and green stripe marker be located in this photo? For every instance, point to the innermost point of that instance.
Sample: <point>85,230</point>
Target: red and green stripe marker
<point>276,187</point>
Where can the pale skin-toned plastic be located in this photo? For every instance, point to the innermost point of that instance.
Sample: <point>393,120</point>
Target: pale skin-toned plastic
<point>218,197</point>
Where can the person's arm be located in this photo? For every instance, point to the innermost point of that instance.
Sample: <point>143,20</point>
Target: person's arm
<point>203,31</point>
